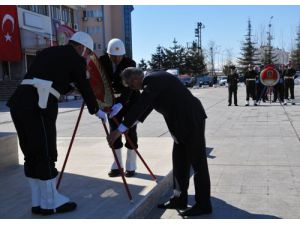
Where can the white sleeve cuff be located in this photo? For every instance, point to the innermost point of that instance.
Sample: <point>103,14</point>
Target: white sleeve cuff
<point>122,128</point>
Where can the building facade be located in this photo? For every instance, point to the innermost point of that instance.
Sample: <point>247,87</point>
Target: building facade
<point>38,24</point>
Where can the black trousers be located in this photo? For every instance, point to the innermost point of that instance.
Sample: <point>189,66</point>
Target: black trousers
<point>192,153</point>
<point>278,92</point>
<point>289,85</point>
<point>232,90</point>
<point>132,134</point>
<point>250,90</point>
<point>37,138</point>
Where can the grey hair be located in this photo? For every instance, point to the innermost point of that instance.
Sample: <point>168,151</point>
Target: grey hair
<point>131,72</point>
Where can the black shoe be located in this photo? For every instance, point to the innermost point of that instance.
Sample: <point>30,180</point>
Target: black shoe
<point>129,173</point>
<point>67,207</point>
<point>196,210</point>
<point>255,104</point>
<point>174,203</point>
<point>229,104</point>
<point>247,104</point>
<point>293,103</point>
<point>36,210</point>
<point>236,104</point>
<point>114,173</point>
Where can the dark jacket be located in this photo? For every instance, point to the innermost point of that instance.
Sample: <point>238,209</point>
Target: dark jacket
<point>122,94</point>
<point>62,65</point>
<point>290,72</point>
<point>232,80</point>
<point>252,74</point>
<point>167,95</point>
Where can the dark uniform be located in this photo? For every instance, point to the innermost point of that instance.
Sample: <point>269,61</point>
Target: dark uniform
<point>185,118</point>
<point>288,76</point>
<point>279,88</point>
<point>250,81</point>
<point>122,94</point>
<point>35,126</point>
<point>232,81</point>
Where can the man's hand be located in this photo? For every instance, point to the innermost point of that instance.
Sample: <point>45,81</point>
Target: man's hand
<point>115,109</point>
<point>101,115</point>
<point>113,136</point>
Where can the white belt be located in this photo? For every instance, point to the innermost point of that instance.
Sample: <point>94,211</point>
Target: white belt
<point>117,95</point>
<point>43,88</point>
<point>288,77</point>
<point>251,79</point>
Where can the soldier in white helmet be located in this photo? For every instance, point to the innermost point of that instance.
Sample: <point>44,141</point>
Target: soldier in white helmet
<point>34,109</point>
<point>114,62</point>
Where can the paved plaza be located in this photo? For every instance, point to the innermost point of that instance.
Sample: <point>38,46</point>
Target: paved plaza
<point>253,156</point>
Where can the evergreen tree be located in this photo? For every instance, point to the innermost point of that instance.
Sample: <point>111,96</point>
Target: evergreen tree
<point>142,65</point>
<point>157,59</point>
<point>248,54</point>
<point>296,52</point>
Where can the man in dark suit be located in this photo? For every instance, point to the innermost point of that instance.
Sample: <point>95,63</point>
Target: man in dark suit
<point>113,63</point>
<point>185,118</point>
<point>232,80</point>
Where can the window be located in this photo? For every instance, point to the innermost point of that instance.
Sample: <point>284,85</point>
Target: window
<point>40,9</point>
<point>67,15</point>
<point>55,12</point>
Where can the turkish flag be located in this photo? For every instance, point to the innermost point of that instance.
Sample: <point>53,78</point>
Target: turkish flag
<point>10,43</point>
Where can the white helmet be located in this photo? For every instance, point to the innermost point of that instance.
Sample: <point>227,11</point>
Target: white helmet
<point>83,38</point>
<point>116,47</point>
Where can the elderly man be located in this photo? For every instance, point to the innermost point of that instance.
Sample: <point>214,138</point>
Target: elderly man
<point>185,118</point>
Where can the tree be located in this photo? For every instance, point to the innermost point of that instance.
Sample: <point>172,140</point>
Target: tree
<point>248,50</point>
<point>296,53</point>
<point>142,65</point>
<point>157,59</point>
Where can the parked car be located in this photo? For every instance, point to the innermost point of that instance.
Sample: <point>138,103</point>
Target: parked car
<point>222,80</point>
<point>188,81</point>
<point>297,78</point>
<point>205,80</point>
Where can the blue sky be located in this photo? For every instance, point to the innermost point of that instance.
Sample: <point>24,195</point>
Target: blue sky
<point>224,25</point>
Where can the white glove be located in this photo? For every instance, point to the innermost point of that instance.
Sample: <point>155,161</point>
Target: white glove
<point>115,109</point>
<point>101,115</point>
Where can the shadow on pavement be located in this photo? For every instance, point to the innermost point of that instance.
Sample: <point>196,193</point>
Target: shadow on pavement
<point>96,198</point>
<point>221,210</point>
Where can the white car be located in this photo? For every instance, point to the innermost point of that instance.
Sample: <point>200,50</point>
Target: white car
<point>297,78</point>
<point>223,81</point>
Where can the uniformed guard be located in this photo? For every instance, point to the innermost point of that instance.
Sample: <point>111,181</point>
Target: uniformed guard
<point>113,63</point>
<point>34,109</point>
<point>279,87</point>
<point>289,84</point>
<point>232,80</point>
<point>250,81</point>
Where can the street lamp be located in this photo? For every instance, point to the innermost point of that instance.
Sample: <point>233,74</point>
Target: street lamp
<point>200,26</point>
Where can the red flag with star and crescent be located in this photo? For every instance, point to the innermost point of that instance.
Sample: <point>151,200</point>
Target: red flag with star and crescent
<point>10,43</point>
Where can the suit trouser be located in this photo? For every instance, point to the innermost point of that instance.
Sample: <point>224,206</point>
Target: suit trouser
<point>37,138</point>
<point>232,90</point>
<point>289,85</point>
<point>250,90</point>
<point>192,153</point>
